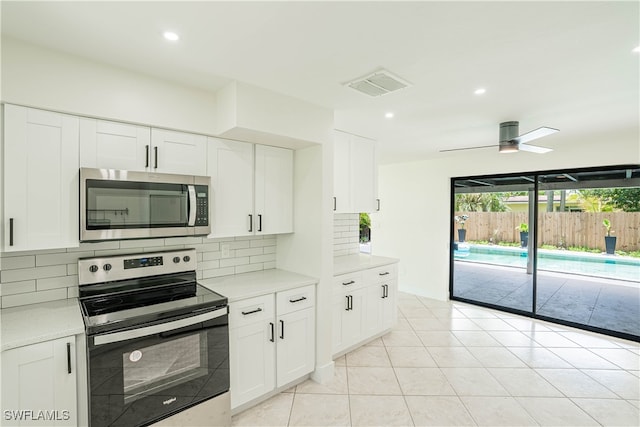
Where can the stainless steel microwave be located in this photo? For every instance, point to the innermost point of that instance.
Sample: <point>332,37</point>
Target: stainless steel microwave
<point>118,204</point>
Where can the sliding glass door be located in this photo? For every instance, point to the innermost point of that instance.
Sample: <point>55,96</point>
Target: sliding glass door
<point>561,245</point>
<point>492,255</point>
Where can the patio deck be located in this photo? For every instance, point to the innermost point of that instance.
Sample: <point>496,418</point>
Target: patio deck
<point>603,303</point>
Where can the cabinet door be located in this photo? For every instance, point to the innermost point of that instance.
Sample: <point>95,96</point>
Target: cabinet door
<point>341,172</point>
<point>373,308</point>
<point>296,345</point>
<point>363,175</point>
<point>112,145</point>
<point>273,190</point>
<point>390,305</point>
<point>230,167</point>
<point>40,179</point>
<point>348,319</point>
<point>251,361</point>
<point>36,377</point>
<point>178,152</point>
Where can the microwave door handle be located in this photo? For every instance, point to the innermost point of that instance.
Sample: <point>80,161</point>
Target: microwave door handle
<point>192,206</point>
<point>157,329</point>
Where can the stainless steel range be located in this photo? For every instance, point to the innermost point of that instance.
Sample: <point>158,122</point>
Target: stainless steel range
<point>157,341</point>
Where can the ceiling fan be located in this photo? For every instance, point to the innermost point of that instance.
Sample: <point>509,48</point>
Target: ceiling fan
<point>510,142</point>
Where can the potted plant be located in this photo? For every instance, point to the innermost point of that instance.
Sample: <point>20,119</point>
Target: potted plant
<point>609,240</point>
<point>524,234</point>
<point>462,233</point>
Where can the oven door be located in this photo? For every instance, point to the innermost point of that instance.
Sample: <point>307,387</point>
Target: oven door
<point>141,375</point>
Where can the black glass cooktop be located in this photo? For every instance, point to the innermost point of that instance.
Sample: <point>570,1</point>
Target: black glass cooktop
<point>116,305</point>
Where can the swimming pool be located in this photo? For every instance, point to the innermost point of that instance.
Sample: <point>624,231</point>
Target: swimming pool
<point>599,265</point>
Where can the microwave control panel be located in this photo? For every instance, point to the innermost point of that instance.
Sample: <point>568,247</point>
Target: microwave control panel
<point>202,205</point>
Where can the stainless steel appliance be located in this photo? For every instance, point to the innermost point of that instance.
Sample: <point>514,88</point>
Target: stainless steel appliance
<point>117,204</point>
<point>157,341</point>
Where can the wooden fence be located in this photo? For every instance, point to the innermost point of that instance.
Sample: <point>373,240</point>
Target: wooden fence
<point>561,229</point>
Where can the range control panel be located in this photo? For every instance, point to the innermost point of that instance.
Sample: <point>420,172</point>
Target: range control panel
<point>130,266</point>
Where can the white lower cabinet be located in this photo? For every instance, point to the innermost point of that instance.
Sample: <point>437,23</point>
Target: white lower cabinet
<point>271,342</point>
<point>39,384</point>
<point>364,305</point>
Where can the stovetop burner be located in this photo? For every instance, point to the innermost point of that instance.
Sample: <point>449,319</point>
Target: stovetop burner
<point>141,294</point>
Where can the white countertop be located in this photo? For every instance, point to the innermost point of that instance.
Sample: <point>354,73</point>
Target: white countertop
<point>34,323</point>
<point>248,285</point>
<point>351,263</point>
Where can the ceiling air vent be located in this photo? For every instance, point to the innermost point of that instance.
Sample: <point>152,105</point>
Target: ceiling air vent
<point>378,83</point>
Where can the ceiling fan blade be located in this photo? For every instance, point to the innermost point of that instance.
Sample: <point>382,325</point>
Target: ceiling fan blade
<point>534,134</point>
<point>534,148</point>
<point>467,148</point>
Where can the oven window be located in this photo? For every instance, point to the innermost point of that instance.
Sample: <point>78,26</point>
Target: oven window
<point>157,367</point>
<point>121,205</point>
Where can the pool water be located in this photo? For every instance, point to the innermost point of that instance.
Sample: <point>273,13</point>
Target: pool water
<point>599,265</point>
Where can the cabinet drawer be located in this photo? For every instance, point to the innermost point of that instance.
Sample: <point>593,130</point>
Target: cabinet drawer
<point>348,282</point>
<point>295,299</point>
<point>251,310</point>
<point>381,274</point>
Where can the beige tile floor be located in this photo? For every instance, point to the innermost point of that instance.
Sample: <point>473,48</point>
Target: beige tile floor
<point>453,364</point>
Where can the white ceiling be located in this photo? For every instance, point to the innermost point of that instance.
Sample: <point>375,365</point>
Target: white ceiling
<point>567,65</point>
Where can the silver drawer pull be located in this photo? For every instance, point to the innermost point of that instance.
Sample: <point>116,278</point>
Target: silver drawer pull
<point>257,310</point>
<point>383,274</point>
<point>348,283</point>
<point>298,300</point>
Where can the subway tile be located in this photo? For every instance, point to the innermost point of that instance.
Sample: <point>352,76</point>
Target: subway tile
<point>263,258</point>
<point>73,292</point>
<point>242,238</point>
<point>208,265</point>
<point>249,267</point>
<point>249,252</point>
<point>208,256</point>
<point>33,273</point>
<point>191,240</point>
<point>217,272</point>
<point>229,262</point>
<point>141,243</point>
<point>72,269</point>
<point>269,249</point>
<point>11,288</point>
<point>241,244</point>
<point>165,248</point>
<point>33,297</point>
<point>56,282</point>
<point>12,263</point>
<point>269,241</point>
<point>96,246</point>
<point>269,265</point>
<point>63,258</point>
<point>207,247</point>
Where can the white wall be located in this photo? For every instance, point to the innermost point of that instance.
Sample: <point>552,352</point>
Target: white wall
<point>42,78</point>
<point>414,220</point>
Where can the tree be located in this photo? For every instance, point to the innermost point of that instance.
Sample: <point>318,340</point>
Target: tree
<point>609,199</point>
<point>480,202</point>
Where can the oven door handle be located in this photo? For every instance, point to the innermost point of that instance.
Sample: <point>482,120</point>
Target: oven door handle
<point>192,205</point>
<point>156,329</point>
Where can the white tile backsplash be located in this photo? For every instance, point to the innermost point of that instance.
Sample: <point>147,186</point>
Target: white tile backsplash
<point>39,276</point>
<point>346,234</point>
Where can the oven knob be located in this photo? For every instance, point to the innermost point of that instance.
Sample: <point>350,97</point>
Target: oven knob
<point>187,258</point>
<point>107,267</point>
<point>176,259</point>
<point>93,268</point>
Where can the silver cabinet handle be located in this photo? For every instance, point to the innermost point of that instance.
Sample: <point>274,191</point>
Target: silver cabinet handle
<point>156,329</point>
<point>378,204</point>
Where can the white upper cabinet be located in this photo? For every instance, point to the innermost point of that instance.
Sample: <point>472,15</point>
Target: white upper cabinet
<point>40,179</point>
<point>113,145</point>
<point>251,188</point>
<point>273,190</point>
<point>231,169</point>
<point>178,152</point>
<point>355,174</point>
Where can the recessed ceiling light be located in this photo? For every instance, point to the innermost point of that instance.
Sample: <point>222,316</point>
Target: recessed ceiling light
<point>171,36</point>
<point>480,91</point>
<point>636,49</point>
<point>389,115</point>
